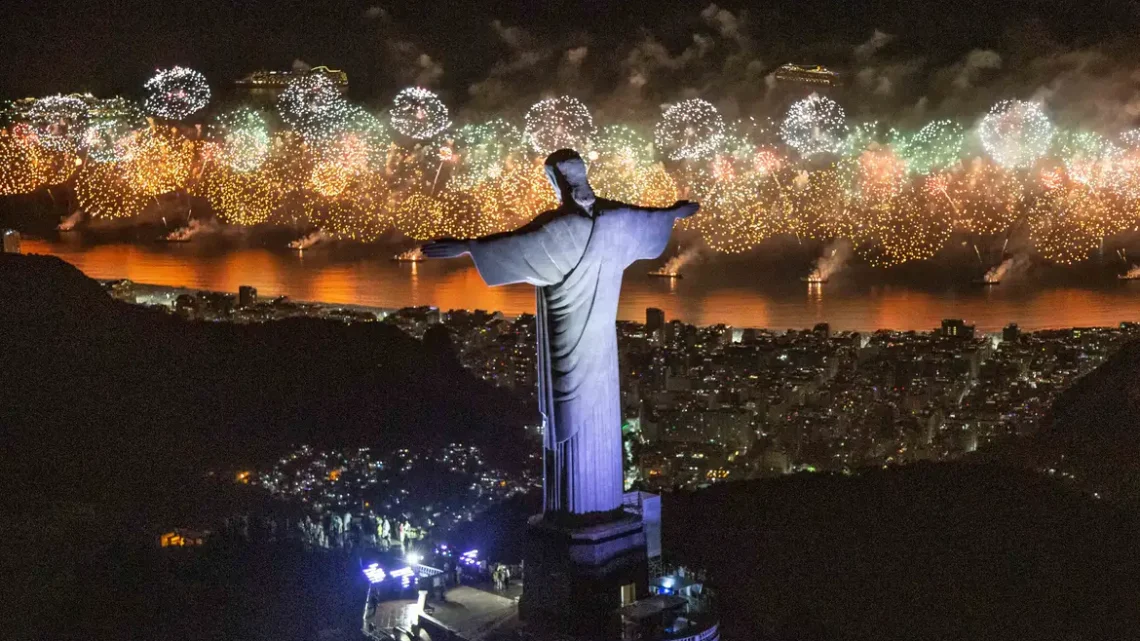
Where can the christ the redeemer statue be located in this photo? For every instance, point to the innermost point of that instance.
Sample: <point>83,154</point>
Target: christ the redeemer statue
<point>575,256</point>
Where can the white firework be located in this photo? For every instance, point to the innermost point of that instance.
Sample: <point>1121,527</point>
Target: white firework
<point>814,125</point>
<point>418,113</point>
<point>59,121</point>
<point>243,138</point>
<point>689,129</point>
<point>1016,133</point>
<point>558,123</point>
<point>107,139</point>
<point>176,93</point>
<point>1131,139</point>
<point>312,105</point>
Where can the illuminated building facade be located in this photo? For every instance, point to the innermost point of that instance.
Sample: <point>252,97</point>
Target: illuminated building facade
<point>958,328</point>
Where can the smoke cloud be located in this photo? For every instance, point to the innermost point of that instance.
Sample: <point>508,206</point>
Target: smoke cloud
<point>878,40</point>
<point>68,222</point>
<point>1013,267</point>
<point>683,258</point>
<point>413,66</point>
<point>835,256</point>
<point>309,240</point>
<point>728,57</point>
<point>375,13</point>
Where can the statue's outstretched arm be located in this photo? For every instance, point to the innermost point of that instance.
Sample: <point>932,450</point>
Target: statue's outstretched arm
<point>679,209</point>
<point>539,253</point>
<point>447,248</point>
<point>456,247</point>
<point>647,229</point>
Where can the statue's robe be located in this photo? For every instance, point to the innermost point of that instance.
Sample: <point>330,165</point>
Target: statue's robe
<point>576,258</point>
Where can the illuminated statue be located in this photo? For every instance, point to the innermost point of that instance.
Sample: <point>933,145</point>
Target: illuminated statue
<point>575,256</point>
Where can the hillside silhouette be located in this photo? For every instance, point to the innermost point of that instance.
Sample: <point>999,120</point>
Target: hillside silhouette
<point>104,400</point>
<point>1091,433</point>
<point>946,551</point>
<point>978,552</point>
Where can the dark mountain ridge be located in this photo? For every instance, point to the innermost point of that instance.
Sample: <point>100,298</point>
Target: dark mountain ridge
<point>101,397</point>
<point>1091,436</point>
<point>931,551</point>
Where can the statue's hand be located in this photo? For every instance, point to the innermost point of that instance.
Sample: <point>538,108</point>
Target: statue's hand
<point>447,248</point>
<point>684,208</point>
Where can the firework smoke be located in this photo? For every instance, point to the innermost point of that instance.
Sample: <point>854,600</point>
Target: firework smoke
<point>674,264</point>
<point>190,230</point>
<point>835,255</point>
<point>1009,268</point>
<point>309,240</point>
<point>68,222</point>
<point>1133,273</point>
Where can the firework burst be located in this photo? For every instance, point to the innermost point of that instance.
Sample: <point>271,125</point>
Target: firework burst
<point>689,129</point>
<point>814,125</point>
<point>558,123</point>
<point>1016,133</point>
<point>176,93</point>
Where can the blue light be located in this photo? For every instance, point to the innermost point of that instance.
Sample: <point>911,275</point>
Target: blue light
<point>373,573</point>
<point>404,574</point>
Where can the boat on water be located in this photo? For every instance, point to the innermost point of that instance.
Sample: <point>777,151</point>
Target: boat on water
<point>410,256</point>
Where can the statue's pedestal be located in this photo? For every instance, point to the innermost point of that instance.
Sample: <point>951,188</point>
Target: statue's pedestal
<point>575,577</point>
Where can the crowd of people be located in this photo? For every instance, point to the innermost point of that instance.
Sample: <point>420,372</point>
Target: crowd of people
<point>334,531</point>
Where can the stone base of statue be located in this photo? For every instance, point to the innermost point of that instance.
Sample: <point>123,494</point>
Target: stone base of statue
<point>577,576</point>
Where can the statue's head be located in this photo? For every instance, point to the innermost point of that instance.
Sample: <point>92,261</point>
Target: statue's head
<point>567,173</point>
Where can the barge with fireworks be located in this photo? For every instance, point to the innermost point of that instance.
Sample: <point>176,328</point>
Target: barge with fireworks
<point>413,255</point>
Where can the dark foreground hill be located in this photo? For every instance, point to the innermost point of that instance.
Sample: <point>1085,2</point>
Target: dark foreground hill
<point>103,400</point>
<point>111,413</point>
<point>1093,431</point>
<point>946,551</point>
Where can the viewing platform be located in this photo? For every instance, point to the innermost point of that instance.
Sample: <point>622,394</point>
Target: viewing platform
<point>469,613</point>
<point>678,608</point>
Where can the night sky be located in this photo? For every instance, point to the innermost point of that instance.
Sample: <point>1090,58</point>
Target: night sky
<point>722,52</point>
